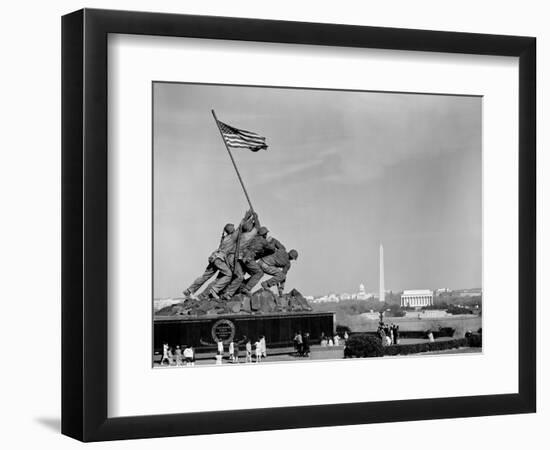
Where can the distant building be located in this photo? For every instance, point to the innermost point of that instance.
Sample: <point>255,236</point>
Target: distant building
<point>382,289</point>
<point>469,294</point>
<point>362,295</point>
<point>327,299</point>
<point>475,292</point>
<point>417,298</point>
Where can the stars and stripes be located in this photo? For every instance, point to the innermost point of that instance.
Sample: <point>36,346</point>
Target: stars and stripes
<point>236,138</point>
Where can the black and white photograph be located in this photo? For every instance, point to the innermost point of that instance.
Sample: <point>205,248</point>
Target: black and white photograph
<point>299,224</point>
<point>275,225</point>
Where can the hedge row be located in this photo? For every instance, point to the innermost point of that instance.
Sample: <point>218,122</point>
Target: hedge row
<point>366,346</point>
<point>408,349</point>
<point>474,339</point>
<point>416,334</point>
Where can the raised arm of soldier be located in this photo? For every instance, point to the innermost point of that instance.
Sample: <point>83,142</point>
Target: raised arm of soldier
<point>256,220</point>
<point>248,229</point>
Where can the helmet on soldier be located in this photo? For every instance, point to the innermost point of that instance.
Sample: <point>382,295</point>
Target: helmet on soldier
<point>263,231</point>
<point>247,226</point>
<point>293,254</point>
<point>229,228</point>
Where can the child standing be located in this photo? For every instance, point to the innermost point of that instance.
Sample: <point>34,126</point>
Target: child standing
<point>258,347</point>
<point>178,356</point>
<point>263,347</point>
<point>248,351</point>
<point>165,354</point>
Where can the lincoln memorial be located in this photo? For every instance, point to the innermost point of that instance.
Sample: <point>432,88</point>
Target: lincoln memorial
<point>419,297</point>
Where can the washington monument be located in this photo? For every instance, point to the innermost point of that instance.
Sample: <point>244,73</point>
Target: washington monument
<point>382,289</point>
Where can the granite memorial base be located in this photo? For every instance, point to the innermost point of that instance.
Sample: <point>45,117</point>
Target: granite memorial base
<point>202,332</point>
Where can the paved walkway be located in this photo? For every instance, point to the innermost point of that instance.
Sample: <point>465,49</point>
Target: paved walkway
<point>317,353</point>
<point>273,355</point>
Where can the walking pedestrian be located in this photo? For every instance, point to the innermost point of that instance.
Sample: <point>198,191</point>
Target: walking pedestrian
<point>179,355</point>
<point>248,351</point>
<point>298,340</point>
<point>165,354</point>
<point>258,347</point>
<point>263,347</point>
<point>305,345</point>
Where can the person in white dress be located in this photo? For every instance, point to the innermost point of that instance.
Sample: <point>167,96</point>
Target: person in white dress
<point>258,347</point>
<point>220,346</point>
<point>337,340</point>
<point>232,351</point>
<point>263,347</point>
<point>188,356</point>
<point>165,354</point>
<point>248,351</point>
<point>178,354</point>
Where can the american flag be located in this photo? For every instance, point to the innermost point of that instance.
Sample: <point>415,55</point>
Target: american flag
<point>236,138</point>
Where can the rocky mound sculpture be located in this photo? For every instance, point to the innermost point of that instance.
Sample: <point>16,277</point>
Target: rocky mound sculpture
<point>263,301</point>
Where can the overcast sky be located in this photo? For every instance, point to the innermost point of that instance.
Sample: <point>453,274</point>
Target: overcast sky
<point>344,172</point>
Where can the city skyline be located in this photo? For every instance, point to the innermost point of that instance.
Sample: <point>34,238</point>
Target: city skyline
<point>375,292</point>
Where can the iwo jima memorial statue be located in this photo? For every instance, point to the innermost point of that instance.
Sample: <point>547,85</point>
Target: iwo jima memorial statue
<point>228,308</point>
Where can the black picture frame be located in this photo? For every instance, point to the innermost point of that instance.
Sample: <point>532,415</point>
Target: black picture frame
<point>84,224</point>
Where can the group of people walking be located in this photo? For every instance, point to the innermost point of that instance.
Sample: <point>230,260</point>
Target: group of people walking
<point>330,341</point>
<point>255,350</point>
<point>389,334</point>
<point>244,255</point>
<point>302,344</point>
<point>177,356</point>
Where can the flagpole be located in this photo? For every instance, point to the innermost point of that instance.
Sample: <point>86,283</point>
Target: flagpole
<point>233,161</point>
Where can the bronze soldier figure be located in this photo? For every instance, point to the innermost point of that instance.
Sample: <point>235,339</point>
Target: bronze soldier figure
<point>218,261</point>
<point>277,264</point>
<point>253,247</point>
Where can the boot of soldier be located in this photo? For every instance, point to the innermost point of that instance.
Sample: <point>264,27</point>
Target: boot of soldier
<point>203,296</point>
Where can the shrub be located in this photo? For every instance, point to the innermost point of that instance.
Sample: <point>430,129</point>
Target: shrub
<point>409,349</point>
<point>341,329</point>
<point>446,331</point>
<point>474,340</point>
<point>455,310</point>
<point>363,346</point>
